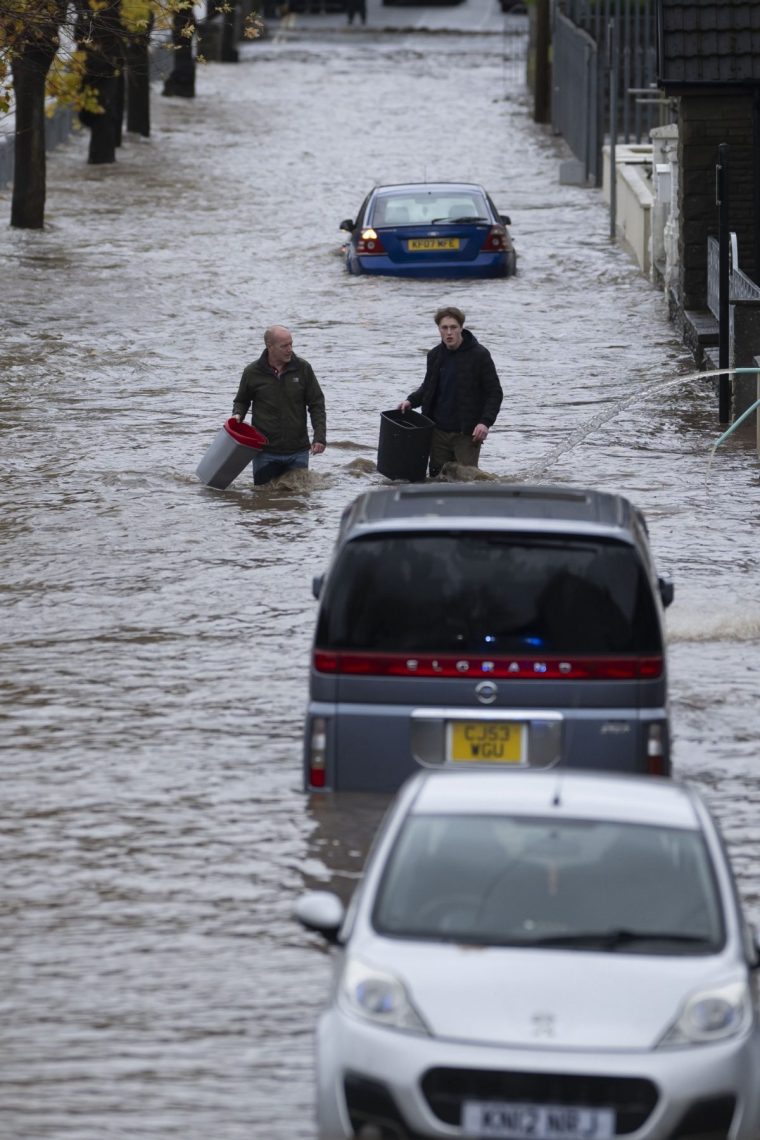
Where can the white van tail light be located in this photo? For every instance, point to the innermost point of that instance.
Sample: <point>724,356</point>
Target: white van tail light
<point>317,752</point>
<point>655,751</point>
<point>550,668</point>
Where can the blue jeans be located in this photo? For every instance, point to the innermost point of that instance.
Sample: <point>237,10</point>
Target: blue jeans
<point>267,465</point>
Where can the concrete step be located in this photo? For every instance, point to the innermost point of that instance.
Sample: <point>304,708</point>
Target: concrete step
<point>700,332</point>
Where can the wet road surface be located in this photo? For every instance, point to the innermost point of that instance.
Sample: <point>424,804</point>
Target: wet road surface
<point>156,633</point>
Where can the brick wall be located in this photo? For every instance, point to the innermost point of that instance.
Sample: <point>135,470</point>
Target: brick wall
<point>705,121</point>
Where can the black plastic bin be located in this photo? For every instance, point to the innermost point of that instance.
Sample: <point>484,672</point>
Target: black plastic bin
<point>404,448</point>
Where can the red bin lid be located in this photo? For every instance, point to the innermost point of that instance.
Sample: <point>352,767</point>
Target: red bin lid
<point>245,434</point>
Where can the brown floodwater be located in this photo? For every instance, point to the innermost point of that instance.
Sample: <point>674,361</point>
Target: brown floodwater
<point>156,633</point>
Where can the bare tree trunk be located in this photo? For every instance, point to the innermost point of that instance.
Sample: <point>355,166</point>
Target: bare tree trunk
<point>229,50</point>
<point>119,105</point>
<point>30,68</point>
<point>181,81</point>
<point>102,125</point>
<point>137,56</point>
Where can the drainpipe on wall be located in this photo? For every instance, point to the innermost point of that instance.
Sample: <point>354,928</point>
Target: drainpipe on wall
<point>756,185</point>
<point>722,200</point>
<point>542,81</point>
<point>612,55</point>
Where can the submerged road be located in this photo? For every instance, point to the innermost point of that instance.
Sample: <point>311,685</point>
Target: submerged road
<point>156,634</point>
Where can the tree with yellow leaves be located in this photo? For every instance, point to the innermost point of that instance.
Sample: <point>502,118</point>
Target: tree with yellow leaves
<point>92,55</point>
<point>79,54</point>
<point>99,35</point>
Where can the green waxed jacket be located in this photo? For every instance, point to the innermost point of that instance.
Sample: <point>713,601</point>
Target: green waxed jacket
<point>280,403</point>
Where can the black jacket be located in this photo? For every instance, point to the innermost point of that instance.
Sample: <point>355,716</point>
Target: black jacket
<point>478,391</point>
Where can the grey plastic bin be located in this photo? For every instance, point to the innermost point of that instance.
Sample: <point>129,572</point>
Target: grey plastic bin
<point>231,450</point>
<point>404,447</point>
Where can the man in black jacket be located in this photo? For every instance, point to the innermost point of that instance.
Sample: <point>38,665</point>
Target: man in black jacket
<point>461,393</point>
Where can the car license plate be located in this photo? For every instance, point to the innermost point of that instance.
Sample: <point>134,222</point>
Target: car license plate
<point>428,245</point>
<point>486,741</point>
<point>494,1121</point>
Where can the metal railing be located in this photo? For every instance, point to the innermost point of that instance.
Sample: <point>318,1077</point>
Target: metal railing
<point>576,69</point>
<point>618,85</point>
<point>58,127</point>
<point>740,286</point>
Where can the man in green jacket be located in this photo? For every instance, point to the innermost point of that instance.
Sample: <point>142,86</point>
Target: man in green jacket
<point>281,387</point>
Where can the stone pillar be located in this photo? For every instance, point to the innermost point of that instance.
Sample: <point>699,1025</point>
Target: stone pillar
<point>665,213</point>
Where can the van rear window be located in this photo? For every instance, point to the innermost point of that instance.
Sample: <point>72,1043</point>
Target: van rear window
<point>476,592</point>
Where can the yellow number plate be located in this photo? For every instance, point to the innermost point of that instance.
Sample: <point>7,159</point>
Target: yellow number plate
<point>486,742</point>
<point>421,245</point>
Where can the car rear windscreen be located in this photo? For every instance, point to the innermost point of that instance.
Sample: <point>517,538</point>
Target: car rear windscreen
<point>428,208</point>
<point>476,592</point>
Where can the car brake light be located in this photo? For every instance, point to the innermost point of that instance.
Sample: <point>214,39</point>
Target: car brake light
<point>369,242</point>
<point>496,240</point>
<point>317,752</point>
<point>550,668</point>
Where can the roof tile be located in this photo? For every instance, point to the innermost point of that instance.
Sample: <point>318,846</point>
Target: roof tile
<point>710,41</point>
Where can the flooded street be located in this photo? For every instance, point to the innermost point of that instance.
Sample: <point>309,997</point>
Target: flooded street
<point>156,633</point>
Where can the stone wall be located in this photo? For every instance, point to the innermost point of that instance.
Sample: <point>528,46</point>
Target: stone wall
<point>633,199</point>
<point>706,121</point>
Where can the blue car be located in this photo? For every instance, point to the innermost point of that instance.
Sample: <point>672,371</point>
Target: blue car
<point>430,229</point>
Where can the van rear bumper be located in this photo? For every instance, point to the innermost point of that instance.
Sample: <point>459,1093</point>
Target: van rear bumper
<point>374,748</point>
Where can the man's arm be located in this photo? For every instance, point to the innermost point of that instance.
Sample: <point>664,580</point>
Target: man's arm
<point>490,386</point>
<point>492,396</point>
<point>315,403</point>
<point>414,399</point>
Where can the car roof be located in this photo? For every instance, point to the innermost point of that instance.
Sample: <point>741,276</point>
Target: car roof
<point>503,506</point>
<point>431,187</point>
<point>646,800</point>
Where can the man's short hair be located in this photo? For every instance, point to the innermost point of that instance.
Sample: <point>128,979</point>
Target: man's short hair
<point>271,331</point>
<point>449,311</point>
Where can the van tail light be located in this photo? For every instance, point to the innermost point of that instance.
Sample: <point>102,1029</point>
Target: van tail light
<point>318,752</point>
<point>550,668</point>
<point>369,242</point>
<point>496,240</point>
<point>655,751</point>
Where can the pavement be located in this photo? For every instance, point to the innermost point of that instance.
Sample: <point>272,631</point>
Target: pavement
<point>473,17</point>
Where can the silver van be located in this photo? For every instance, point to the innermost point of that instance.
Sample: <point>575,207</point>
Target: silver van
<point>482,623</point>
